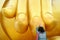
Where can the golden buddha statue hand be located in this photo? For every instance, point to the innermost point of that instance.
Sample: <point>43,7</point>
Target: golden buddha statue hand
<point>20,18</point>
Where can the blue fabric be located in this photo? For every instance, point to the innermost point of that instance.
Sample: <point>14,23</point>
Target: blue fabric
<point>42,36</point>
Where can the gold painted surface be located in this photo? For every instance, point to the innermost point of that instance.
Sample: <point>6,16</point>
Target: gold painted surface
<point>8,31</point>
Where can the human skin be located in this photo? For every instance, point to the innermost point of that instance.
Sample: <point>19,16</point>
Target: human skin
<point>20,19</point>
